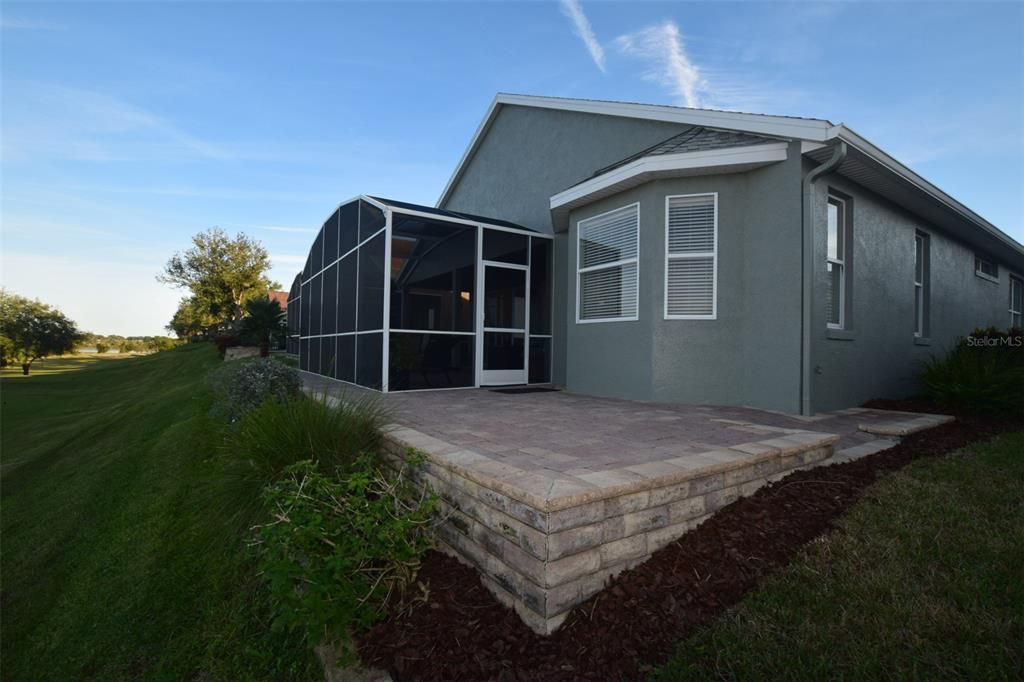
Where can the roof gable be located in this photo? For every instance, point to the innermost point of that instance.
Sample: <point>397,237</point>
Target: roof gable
<point>790,127</point>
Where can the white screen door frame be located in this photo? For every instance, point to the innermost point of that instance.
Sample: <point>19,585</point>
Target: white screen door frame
<point>502,376</point>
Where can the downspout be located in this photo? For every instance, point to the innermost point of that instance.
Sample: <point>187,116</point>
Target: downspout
<point>807,269</point>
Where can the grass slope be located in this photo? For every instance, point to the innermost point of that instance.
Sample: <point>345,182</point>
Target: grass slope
<point>922,580</point>
<point>117,561</point>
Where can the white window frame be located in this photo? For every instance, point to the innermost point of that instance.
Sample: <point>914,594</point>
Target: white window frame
<point>698,254</point>
<point>605,266</point>
<point>1016,312</point>
<point>920,290</point>
<point>840,262</point>
<point>978,260</point>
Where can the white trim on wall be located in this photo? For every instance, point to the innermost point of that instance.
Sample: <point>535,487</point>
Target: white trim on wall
<point>713,254</point>
<point>842,259</point>
<point>605,266</point>
<point>770,152</point>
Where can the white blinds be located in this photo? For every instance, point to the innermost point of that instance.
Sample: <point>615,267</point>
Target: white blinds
<point>690,257</point>
<point>607,269</point>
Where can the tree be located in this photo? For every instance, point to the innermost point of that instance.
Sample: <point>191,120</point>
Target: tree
<point>34,330</point>
<point>221,273</point>
<point>191,320</point>
<point>263,319</point>
<point>102,349</point>
<point>160,343</point>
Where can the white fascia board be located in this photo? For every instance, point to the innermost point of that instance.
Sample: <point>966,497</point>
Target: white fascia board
<point>877,154</point>
<point>735,156</point>
<point>781,126</point>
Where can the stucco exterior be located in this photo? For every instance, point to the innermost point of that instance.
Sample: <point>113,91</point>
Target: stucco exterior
<point>530,154</point>
<point>751,353</point>
<point>877,355</point>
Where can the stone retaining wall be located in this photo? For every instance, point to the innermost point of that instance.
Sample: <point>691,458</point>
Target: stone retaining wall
<point>544,555</point>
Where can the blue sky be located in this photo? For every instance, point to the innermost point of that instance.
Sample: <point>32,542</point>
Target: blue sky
<point>128,127</point>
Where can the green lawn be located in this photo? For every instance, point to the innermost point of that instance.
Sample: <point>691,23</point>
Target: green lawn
<point>117,560</point>
<point>923,579</point>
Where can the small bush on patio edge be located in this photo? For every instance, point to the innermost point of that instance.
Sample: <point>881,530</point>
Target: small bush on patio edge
<point>341,551</point>
<point>245,385</point>
<point>983,373</point>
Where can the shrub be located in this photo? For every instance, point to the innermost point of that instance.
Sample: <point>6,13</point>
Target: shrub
<point>102,348</point>
<point>983,373</point>
<point>225,341</point>
<point>245,385</point>
<point>277,434</point>
<point>340,552</point>
<point>286,359</point>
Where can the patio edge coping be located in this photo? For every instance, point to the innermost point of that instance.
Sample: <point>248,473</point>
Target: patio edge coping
<point>549,494</point>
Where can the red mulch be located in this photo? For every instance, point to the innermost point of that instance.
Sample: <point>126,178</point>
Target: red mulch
<point>463,633</point>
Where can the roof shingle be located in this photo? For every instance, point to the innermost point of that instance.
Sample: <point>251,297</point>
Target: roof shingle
<point>696,139</point>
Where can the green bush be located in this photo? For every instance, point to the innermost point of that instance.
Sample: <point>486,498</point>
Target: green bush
<point>280,433</point>
<point>286,359</point>
<point>340,551</point>
<point>982,374</point>
<point>242,386</point>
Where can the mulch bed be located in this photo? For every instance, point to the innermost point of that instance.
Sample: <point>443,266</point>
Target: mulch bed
<point>635,624</point>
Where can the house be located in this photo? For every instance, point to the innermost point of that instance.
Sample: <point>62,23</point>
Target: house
<point>656,253</point>
<point>281,298</point>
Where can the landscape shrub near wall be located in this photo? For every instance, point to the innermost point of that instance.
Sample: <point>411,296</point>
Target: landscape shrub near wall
<point>245,385</point>
<point>279,433</point>
<point>983,373</point>
<point>343,550</point>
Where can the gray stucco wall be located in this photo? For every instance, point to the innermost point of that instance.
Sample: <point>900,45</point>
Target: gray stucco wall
<point>750,354</point>
<point>878,356</point>
<point>529,154</point>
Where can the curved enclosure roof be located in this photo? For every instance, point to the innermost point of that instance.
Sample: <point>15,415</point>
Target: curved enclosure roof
<point>391,291</point>
<point>443,213</point>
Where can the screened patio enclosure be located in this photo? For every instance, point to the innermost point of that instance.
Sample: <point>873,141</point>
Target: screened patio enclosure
<point>396,297</point>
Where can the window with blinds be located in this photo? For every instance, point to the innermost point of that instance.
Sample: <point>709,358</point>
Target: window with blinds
<point>691,257</point>
<point>607,272</point>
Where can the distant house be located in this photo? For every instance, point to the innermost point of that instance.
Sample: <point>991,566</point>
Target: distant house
<point>281,297</point>
<point>656,253</point>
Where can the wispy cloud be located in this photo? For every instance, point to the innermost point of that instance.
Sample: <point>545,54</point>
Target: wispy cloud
<point>274,228</point>
<point>15,23</point>
<point>581,27</point>
<point>72,123</point>
<point>287,259</point>
<point>662,47</point>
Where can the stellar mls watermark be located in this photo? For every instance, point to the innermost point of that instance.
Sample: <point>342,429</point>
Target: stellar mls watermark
<point>1013,341</point>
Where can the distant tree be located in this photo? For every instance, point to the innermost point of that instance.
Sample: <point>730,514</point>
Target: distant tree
<point>191,320</point>
<point>263,320</point>
<point>34,330</point>
<point>160,343</point>
<point>102,348</point>
<point>129,346</point>
<point>221,273</point>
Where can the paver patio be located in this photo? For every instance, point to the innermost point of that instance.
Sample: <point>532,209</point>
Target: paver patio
<point>551,493</point>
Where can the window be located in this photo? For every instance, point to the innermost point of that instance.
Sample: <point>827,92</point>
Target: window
<point>607,272</point>
<point>1016,301</point>
<point>835,266</point>
<point>691,247</point>
<point>921,288</point>
<point>986,269</point>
